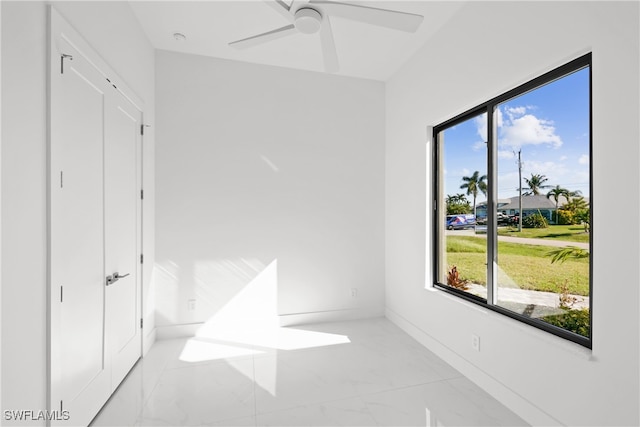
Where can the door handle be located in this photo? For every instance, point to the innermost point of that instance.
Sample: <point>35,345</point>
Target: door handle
<point>111,279</point>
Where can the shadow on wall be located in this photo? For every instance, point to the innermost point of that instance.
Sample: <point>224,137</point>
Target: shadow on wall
<point>247,324</point>
<point>240,289</point>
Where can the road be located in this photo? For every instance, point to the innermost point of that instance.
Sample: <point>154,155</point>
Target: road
<point>529,241</point>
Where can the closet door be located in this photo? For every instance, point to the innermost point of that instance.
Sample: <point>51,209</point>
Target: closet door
<point>81,376</point>
<point>95,223</point>
<point>122,256</point>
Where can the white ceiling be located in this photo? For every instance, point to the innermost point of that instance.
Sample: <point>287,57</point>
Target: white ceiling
<point>364,51</point>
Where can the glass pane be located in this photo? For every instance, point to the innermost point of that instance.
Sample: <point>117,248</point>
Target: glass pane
<point>543,188</point>
<point>462,220</point>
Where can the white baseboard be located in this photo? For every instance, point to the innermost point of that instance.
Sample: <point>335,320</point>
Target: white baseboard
<point>518,404</point>
<point>148,341</point>
<point>328,316</point>
<point>191,329</point>
<point>177,331</point>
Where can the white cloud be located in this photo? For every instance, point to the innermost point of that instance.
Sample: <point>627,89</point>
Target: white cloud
<point>481,126</point>
<point>552,170</point>
<point>515,111</point>
<point>480,145</point>
<point>500,118</point>
<point>529,129</point>
<point>506,154</point>
<point>517,128</point>
<point>584,159</point>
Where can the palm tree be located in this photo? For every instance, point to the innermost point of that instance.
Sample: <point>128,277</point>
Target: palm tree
<point>536,183</point>
<point>574,194</point>
<point>576,204</point>
<point>558,192</point>
<point>473,184</point>
<point>457,204</point>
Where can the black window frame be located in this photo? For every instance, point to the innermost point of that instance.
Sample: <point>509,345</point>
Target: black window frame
<point>582,62</point>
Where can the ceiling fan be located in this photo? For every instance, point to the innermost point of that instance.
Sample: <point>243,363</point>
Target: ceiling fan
<point>312,16</point>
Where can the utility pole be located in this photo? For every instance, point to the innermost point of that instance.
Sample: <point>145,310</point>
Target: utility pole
<point>520,189</point>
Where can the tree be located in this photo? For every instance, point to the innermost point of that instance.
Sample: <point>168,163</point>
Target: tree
<point>536,183</point>
<point>556,193</point>
<point>575,211</point>
<point>473,184</point>
<point>584,216</point>
<point>575,204</point>
<point>457,204</point>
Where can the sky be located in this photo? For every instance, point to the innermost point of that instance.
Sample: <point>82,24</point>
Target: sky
<point>549,125</point>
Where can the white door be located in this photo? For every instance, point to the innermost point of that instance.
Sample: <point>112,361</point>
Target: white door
<point>82,377</point>
<point>95,149</point>
<point>121,201</point>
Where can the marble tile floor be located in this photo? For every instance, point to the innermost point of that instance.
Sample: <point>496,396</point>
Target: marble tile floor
<point>356,373</point>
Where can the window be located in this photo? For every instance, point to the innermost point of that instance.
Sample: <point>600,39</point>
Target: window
<point>512,185</point>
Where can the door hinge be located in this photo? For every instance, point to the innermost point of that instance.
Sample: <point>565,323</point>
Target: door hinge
<point>61,294</point>
<point>62,58</point>
<point>141,323</point>
<point>61,179</point>
<point>141,259</point>
<point>141,194</point>
<point>142,128</point>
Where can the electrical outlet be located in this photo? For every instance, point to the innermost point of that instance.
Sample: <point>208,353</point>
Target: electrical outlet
<point>354,292</point>
<point>475,342</point>
<point>191,305</point>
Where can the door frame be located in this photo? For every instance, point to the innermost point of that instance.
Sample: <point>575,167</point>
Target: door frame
<point>60,29</point>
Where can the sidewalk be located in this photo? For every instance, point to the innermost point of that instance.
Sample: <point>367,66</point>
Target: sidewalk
<point>523,296</point>
<point>542,242</point>
<point>525,240</point>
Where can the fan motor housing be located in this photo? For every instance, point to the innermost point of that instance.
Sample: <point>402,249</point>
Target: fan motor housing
<point>308,20</point>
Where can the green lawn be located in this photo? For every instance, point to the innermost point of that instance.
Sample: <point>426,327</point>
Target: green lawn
<point>519,265</point>
<point>569,233</point>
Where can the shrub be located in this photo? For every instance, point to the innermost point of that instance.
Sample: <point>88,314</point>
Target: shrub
<point>576,321</point>
<point>454,280</point>
<point>564,217</point>
<point>583,217</point>
<point>535,221</point>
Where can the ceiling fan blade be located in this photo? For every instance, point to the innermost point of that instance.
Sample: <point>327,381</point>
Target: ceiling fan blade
<point>282,8</point>
<point>371,15</point>
<point>328,47</point>
<point>264,37</point>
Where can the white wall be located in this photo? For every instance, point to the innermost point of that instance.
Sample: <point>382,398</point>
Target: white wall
<point>0,205</point>
<point>547,379</point>
<point>112,30</point>
<point>270,192</point>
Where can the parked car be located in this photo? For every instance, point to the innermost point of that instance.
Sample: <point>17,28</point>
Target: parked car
<point>460,222</point>
<point>502,219</point>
